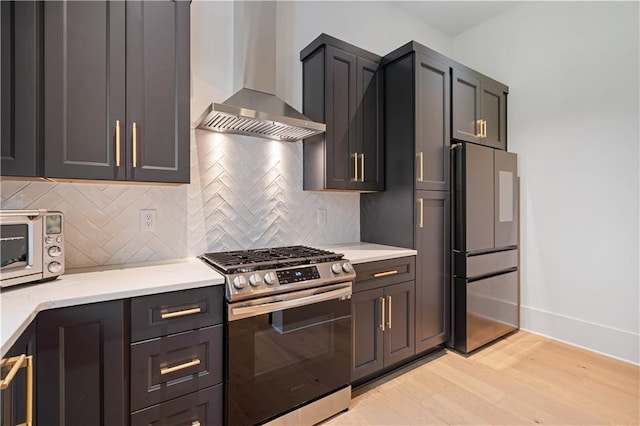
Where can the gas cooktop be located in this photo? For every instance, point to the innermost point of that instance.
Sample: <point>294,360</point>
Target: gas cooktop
<point>260,272</point>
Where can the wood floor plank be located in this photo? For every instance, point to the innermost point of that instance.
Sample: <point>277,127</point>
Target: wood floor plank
<point>521,379</point>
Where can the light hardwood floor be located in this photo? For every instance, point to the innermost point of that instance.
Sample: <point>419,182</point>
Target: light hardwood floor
<point>522,379</point>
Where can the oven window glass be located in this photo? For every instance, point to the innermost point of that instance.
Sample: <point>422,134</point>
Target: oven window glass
<point>14,246</point>
<point>282,360</point>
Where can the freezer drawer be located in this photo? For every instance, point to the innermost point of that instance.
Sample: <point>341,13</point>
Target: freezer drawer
<point>486,263</point>
<point>485,310</point>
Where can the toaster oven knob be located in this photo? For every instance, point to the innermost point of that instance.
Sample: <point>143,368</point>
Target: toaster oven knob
<point>270,278</point>
<point>239,282</point>
<point>255,280</point>
<point>346,267</point>
<point>55,267</point>
<point>336,268</point>
<point>48,240</point>
<point>54,251</point>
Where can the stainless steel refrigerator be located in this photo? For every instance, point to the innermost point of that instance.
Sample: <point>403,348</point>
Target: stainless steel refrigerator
<point>485,288</point>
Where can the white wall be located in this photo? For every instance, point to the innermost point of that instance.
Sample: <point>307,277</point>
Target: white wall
<point>573,108</point>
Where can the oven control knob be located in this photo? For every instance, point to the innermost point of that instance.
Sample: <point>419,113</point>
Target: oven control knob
<point>255,280</point>
<point>239,282</point>
<point>54,251</point>
<point>270,278</point>
<point>55,267</point>
<point>48,240</point>
<point>346,267</point>
<point>336,268</point>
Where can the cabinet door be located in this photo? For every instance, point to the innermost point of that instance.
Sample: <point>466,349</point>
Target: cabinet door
<point>84,89</point>
<point>465,107</point>
<point>433,137</point>
<point>369,121</point>
<point>399,335</point>
<point>80,365</point>
<point>366,319</point>
<point>506,199</point>
<point>20,32</point>
<point>13,400</point>
<point>158,91</point>
<point>433,270</point>
<point>494,112</point>
<point>341,143</point>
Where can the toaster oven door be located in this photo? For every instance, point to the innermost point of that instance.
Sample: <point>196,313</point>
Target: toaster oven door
<point>20,249</point>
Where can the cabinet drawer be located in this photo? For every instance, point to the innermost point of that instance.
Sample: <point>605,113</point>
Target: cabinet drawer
<point>203,407</point>
<point>169,313</point>
<point>173,366</point>
<point>372,275</point>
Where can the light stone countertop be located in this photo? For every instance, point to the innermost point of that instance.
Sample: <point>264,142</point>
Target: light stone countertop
<point>367,252</point>
<point>19,306</point>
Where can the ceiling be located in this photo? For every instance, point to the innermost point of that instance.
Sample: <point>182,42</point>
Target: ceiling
<point>454,17</point>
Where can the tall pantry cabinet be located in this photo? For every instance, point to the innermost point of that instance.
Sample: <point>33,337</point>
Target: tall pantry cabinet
<point>414,209</point>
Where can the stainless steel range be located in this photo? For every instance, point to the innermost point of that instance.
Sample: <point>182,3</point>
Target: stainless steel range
<point>288,331</point>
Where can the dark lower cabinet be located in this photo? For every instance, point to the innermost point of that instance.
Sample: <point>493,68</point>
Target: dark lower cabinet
<point>382,316</point>
<point>433,276</point>
<point>80,365</point>
<point>13,400</point>
<point>198,408</point>
<point>21,89</point>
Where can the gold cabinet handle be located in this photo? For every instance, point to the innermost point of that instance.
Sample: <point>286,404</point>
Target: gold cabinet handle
<point>382,314</point>
<point>117,143</point>
<point>355,166</point>
<point>385,274</point>
<point>19,362</point>
<point>167,370</point>
<point>420,166</point>
<point>362,167</point>
<point>196,423</point>
<point>484,129</point>
<point>135,145</point>
<point>421,213</point>
<point>389,315</point>
<point>479,126</point>
<point>175,314</point>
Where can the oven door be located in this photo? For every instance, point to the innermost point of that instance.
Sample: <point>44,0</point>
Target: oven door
<point>285,351</point>
<point>20,248</point>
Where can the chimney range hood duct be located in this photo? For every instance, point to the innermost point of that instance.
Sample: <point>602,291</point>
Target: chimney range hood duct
<point>254,110</point>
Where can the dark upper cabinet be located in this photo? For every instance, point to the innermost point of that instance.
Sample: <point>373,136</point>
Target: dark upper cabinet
<point>432,123</point>
<point>21,89</point>
<point>80,365</point>
<point>479,108</point>
<point>342,87</point>
<point>432,268</point>
<point>13,399</point>
<point>116,91</point>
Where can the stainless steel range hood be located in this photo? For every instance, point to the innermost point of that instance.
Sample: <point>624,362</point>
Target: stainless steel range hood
<point>254,110</point>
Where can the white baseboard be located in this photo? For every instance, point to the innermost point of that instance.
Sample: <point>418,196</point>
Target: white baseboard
<point>615,343</point>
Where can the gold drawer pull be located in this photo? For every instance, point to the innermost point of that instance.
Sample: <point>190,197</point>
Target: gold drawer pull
<point>180,367</point>
<point>181,313</point>
<point>385,274</point>
<point>196,423</point>
<point>18,363</point>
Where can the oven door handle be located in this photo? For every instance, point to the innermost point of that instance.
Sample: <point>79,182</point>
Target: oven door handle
<point>291,300</point>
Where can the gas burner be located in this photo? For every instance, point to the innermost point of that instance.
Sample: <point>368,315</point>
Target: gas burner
<point>255,273</point>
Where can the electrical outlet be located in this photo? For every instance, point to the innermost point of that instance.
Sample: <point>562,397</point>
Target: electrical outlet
<point>322,216</point>
<point>147,220</point>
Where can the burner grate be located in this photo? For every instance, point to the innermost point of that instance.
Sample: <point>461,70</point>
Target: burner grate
<point>230,262</point>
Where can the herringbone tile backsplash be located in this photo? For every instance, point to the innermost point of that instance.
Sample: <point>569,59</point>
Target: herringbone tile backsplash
<point>244,193</point>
